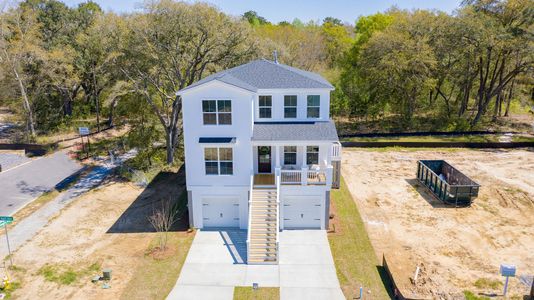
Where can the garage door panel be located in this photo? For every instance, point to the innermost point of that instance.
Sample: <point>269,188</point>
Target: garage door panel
<point>302,212</point>
<point>220,212</point>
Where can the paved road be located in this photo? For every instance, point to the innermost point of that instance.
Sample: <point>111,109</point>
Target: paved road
<point>26,182</point>
<point>27,228</point>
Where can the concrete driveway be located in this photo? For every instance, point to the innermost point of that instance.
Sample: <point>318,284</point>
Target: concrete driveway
<point>216,263</point>
<point>26,182</point>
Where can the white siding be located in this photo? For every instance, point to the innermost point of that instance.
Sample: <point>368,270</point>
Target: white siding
<point>241,128</point>
<point>278,104</point>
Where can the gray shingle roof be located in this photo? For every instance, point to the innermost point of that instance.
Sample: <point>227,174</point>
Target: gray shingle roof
<point>265,74</point>
<point>297,131</point>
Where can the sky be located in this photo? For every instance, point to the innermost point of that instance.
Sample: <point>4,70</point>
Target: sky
<point>306,10</point>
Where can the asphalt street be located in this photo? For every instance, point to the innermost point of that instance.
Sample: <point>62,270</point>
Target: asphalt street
<point>26,182</point>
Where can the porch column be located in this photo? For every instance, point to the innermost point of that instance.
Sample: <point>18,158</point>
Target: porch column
<point>277,156</point>
<point>304,167</point>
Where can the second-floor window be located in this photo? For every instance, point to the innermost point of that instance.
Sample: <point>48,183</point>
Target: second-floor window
<point>314,106</point>
<point>290,155</point>
<point>266,103</point>
<point>312,155</point>
<point>290,106</point>
<point>217,112</point>
<point>219,161</point>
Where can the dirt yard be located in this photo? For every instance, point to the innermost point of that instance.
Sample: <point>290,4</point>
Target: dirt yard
<point>458,249</point>
<point>105,228</point>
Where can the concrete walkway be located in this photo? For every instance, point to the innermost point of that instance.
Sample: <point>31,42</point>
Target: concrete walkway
<point>215,264</point>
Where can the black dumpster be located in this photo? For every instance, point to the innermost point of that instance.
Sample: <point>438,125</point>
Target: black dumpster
<point>446,182</point>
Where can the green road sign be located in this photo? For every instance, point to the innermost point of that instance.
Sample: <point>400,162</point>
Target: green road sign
<point>6,219</point>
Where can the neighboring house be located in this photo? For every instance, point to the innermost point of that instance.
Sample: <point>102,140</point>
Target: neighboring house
<point>261,152</point>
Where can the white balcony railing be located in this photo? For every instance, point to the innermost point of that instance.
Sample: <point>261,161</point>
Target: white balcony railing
<point>306,176</point>
<point>336,151</point>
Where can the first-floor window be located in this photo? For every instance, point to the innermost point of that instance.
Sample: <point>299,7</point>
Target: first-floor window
<point>218,161</point>
<point>312,155</point>
<point>290,155</point>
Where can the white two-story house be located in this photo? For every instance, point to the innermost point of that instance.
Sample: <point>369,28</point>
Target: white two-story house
<point>261,152</point>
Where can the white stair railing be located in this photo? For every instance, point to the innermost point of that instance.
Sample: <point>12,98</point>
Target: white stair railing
<point>277,212</point>
<point>249,229</point>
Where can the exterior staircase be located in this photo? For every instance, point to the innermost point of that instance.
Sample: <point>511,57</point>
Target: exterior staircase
<point>263,227</point>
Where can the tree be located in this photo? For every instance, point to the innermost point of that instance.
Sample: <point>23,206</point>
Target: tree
<point>21,53</point>
<point>173,44</point>
<point>162,219</point>
<point>254,19</point>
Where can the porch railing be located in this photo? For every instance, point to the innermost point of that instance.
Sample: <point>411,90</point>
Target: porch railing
<point>336,151</point>
<point>306,176</point>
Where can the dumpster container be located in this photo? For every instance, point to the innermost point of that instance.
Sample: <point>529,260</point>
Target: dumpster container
<point>446,182</point>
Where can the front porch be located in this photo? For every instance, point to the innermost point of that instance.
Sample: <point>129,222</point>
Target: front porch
<point>295,164</point>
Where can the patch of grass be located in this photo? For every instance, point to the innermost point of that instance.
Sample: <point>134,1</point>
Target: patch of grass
<point>487,283</point>
<point>155,277</point>
<point>471,296</point>
<point>66,275</point>
<point>354,256</point>
<point>263,293</point>
<point>13,286</point>
<point>157,272</point>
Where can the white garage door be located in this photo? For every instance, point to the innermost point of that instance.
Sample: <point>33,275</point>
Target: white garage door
<point>302,211</point>
<point>220,212</point>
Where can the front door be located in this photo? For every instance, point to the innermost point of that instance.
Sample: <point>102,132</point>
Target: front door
<point>264,159</point>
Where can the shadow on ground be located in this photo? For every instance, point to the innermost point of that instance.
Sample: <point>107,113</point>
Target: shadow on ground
<point>235,241</point>
<point>426,194</point>
<point>165,186</point>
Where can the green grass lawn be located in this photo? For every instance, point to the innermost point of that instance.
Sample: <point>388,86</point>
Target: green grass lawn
<point>263,293</point>
<point>458,138</point>
<point>155,277</point>
<point>354,257</point>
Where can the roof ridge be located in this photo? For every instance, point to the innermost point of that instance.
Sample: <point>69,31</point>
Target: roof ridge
<point>297,71</point>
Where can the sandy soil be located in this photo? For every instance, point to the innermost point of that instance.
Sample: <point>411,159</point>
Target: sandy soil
<point>453,246</point>
<point>107,226</point>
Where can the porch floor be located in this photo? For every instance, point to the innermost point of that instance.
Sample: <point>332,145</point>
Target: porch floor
<point>263,179</point>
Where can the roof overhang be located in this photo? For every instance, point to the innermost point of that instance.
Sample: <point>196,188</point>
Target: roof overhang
<point>217,140</point>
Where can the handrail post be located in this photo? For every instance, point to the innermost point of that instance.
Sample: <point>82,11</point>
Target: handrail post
<point>304,176</point>
<point>277,181</point>
<point>329,175</point>
<point>249,213</point>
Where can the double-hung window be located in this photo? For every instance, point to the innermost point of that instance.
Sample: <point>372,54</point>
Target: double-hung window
<point>219,161</point>
<point>314,106</point>
<point>217,112</point>
<point>290,106</point>
<point>266,104</point>
<point>312,155</point>
<point>290,155</point>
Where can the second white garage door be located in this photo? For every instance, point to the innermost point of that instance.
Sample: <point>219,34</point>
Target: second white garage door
<point>220,212</point>
<point>302,212</point>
